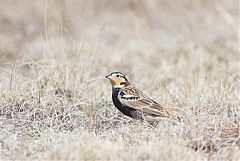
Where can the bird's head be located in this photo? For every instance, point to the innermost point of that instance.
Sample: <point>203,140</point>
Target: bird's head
<point>118,80</point>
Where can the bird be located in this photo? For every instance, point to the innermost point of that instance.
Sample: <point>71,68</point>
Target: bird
<point>132,102</point>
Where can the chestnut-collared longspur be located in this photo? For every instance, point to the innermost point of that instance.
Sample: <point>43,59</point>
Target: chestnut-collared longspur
<point>131,101</point>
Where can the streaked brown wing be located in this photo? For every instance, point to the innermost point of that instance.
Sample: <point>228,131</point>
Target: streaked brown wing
<point>132,97</point>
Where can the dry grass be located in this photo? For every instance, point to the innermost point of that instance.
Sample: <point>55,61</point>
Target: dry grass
<point>56,105</point>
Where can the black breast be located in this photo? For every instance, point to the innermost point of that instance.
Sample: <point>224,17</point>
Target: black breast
<point>124,109</point>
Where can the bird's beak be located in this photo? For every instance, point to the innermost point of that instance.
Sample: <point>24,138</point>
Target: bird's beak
<point>108,76</point>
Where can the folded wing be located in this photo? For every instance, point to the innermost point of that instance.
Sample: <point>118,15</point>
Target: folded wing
<point>134,98</point>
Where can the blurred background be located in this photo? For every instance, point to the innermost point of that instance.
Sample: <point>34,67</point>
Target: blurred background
<point>54,55</point>
<point>112,26</point>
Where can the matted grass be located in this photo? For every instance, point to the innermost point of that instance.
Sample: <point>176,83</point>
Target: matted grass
<point>55,103</point>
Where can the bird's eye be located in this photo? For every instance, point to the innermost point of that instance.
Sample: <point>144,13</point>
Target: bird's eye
<point>117,75</point>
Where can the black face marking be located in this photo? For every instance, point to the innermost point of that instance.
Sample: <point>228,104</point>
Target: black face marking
<point>122,83</point>
<point>118,74</point>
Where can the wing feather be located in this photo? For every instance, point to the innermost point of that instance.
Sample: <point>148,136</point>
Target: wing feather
<point>134,98</point>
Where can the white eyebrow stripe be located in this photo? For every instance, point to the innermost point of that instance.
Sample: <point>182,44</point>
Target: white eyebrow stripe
<point>118,74</point>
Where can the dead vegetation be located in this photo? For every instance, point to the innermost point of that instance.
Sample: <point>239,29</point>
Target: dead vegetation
<point>56,105</point>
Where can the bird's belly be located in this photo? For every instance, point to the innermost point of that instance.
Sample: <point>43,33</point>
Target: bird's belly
<point>130,112</point>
